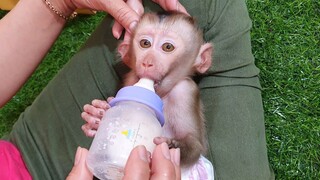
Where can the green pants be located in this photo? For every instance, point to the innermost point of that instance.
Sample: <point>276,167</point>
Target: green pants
<point>48,132</point>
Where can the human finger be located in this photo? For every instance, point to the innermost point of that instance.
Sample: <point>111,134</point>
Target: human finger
<point>123,14</point>
<point>171,5</point>
<point>137,166</point>
<point>79,170</point>
<point>135,5</point>
<point>163,165</point>
<point>118,9</point>
<point>175,159</point>
<point>117,30</point>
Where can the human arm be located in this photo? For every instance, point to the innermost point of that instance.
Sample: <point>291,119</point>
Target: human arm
<point>26,34</point>
<point>28,31</point>
<point>165,164</point>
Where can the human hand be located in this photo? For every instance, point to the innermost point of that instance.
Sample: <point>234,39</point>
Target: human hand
<point>93,114</point>
<point>165,164</point>
<point>126,12</point>
<point>136,5</point>
<point>79,170</point>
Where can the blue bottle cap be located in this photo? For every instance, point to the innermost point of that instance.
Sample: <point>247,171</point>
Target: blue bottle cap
<point>141,95</point>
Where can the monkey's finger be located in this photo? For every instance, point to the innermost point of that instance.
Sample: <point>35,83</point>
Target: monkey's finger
<point>94,111</point>
<point>109,99</point>
<point>100,104</point>
<point>92,121</point>
<point>88,131</point>
<point>159,140</point>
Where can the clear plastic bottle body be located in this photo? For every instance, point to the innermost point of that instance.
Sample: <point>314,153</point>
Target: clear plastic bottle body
<point>123,127</point>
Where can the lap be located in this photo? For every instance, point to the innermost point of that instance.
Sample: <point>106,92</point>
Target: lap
<point>48,132</point>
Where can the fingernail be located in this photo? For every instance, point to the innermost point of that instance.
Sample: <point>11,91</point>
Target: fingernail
<point>176,156</point>
<point>165,150</point>
<point>132,26</point>
<point>107,106</point>
<point>101,113</point>
<point>143,153</point>
<point>78,156</point>
<point>91,133</point>
<point>116,35</point>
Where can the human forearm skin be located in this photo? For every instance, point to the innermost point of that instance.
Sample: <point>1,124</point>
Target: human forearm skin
<point>26,34</point>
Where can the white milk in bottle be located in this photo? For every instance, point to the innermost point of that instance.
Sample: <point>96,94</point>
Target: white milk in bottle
<point>135,118</point>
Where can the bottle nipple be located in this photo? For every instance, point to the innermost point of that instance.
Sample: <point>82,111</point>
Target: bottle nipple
<point>146,83</point>
<point>143,92</point>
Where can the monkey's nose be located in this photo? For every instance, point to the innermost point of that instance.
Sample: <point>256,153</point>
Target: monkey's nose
<point>147,64</point>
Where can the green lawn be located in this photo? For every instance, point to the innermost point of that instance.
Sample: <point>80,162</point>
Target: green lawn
<point>285,39</point>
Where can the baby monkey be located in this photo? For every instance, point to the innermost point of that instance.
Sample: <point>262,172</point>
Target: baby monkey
<point>169,49</point>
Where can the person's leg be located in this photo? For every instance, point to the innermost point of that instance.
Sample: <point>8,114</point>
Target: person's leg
<point>231,93</point>
<point>236,132</point>
<point>48,132</point>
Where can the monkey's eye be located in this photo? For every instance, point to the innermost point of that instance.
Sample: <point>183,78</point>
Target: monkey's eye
<point>167,47</point>
<point>144,43</point>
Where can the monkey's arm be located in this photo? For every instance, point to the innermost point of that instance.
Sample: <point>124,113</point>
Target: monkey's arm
<point>185,125</point>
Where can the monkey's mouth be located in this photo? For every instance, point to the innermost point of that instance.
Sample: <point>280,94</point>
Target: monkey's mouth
<point>157,84</point>
<point>152,76</point>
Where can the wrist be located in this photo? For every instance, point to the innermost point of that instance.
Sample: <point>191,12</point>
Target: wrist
<point>64,9</point>
<point>67,6</point>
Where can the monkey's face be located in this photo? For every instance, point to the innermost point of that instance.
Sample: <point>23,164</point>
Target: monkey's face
<point>166,49</point>
<point>156,52</point>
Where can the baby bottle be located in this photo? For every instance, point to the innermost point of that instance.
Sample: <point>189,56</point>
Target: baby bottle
<point>135,118</point>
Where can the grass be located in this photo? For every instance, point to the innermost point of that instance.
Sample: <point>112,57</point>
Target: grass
<point>285,40</point>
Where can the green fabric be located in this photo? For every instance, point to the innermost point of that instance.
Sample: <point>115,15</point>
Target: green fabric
<point>48,132</point>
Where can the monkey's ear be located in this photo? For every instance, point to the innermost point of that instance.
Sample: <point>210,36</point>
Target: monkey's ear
<point>204,58</point>
<point>123,50</point>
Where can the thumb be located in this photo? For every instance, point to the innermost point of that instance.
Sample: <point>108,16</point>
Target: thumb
<point>122,13</point>
<point>79,170</point>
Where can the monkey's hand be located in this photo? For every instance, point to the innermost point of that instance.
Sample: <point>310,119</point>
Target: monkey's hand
<point>172,143</point>
<point>92,114</point>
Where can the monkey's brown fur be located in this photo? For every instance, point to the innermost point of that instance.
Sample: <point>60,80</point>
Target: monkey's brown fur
<point>169,49</point>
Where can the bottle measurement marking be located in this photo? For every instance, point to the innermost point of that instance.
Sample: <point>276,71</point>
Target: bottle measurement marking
<point>135,138</point>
